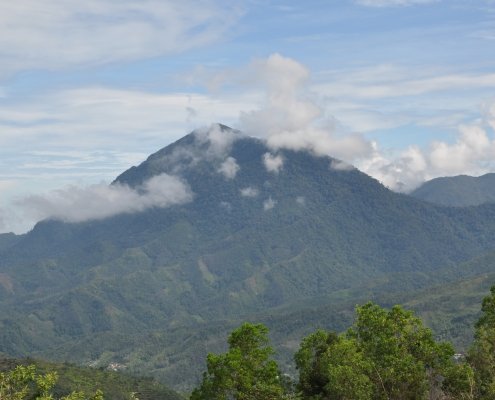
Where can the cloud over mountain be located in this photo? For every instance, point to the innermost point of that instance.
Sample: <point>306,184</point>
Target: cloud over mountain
<point>292,117</point>
<point>76,204</point>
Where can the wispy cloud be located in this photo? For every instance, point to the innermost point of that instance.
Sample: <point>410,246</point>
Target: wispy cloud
<point>273,163</point>
<point>76,204</point>
<point>229,168</point>
<point>33,32</point>
<point>269,203</point>
<point>249,192</point>
<point>403,86</point>
<point>394,3</point>
<point>108,118</point>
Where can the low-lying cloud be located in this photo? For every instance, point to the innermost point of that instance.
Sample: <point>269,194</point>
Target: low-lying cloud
<point>77,204</point>
<point>229,168</point>
<point>273,163</point>
<point>249,192</point>
<point>269,203</point>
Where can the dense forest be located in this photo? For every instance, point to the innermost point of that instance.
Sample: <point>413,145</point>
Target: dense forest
<point>387,354</point>
<point>384,355</point>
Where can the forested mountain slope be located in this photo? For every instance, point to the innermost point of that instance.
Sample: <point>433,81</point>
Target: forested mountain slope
<point>459,190</point>
<point>263,232</point>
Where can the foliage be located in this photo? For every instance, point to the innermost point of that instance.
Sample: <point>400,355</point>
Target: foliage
<point>482,352</point>
<point>332,366</point>
<point>384,355</point>
<point>23,382</point>
<point>71,378</point>
<point>245,372</point>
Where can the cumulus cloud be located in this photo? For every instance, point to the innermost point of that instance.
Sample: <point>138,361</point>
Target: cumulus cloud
<point>249,192</point>
<point>32,32</point>
<point>229,168</point>
<point>273,163</point>
<point>472,153</point>
<point>269,203</point>
<point>291,116</point>
<point>76,204</point>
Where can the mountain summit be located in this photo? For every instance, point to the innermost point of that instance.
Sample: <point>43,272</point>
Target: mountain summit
<point>260,231</point>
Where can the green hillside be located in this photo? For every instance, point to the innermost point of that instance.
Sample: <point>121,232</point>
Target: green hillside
<point>458,191</point>
<point>114,385</point>
<point>156,290</point>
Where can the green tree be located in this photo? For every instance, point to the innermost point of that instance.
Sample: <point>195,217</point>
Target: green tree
<point>386,354</point>
<point>245,372</point>
<point>407,363</point>
<point>332,367</point>
<point>482,353</point>
<point>23,382</point>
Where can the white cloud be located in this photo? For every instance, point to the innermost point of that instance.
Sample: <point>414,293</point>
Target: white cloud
<point>392,3</point>
<point>400,86</point>
<point>273,163</point>
<point>473,153</point>
<point>292,117</point>
<point>76,204</point>
<point>301,200</point>
<point>229,168</point>
<point>339,165</point>
<point>269,203</point>
<point>108,119</point>
<point>249,192</point>
<point>55,34</point>
<point>218,139</point>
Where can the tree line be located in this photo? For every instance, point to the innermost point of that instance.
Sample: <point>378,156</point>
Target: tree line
<point>384,355</point>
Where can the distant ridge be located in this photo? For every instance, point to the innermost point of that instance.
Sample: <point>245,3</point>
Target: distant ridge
<point>458,191</point>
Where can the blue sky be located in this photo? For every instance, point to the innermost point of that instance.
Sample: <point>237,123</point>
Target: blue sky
<point>403,89</point>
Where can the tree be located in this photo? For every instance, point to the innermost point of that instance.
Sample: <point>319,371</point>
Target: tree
<point>23,382</point>
<point>386,354</point>
<point>332,367</point>
<point>482,353</point>
<point>245,372</point>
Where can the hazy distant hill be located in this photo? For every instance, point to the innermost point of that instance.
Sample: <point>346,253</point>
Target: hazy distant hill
<point>459,190</point>
<point>156,289</point>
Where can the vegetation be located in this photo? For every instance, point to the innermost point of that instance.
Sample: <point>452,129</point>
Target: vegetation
<point>155,291</point>
<point>385,355</point>
<point>66,379</point>
<point>482,353</point>
<point>459,191</point>
<point>23,382</point>
<point>245,371</point>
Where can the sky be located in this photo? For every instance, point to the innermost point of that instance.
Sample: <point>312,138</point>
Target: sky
<point>402,89</point>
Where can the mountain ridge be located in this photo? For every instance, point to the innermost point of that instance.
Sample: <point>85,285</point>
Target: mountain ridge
<point>458,191</point>
<point>226,255</point>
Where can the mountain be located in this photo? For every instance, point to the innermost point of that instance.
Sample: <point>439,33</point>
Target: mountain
<point>458,191</point>
<point>284,237</point>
